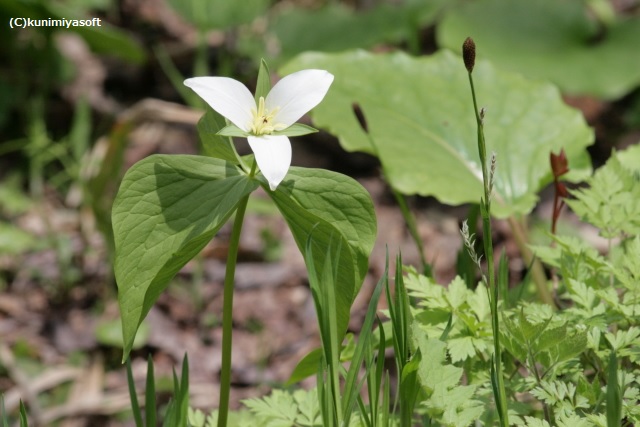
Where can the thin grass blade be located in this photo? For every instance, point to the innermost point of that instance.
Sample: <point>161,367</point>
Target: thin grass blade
<point>350,390</point>
<point>5,421</point>
<point>24,422</point>
<point>183,395</point>
<point>133,396</point>
<point>150,395</point>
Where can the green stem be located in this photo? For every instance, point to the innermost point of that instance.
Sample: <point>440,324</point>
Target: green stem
<point>227,309</point>
<point>538,273</point>
<point>482,150</point>
<point>485,210</point>
<point>410,220</point>
<point>227,313</point>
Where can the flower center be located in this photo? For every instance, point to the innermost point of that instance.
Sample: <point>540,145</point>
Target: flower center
<point>263,123</point>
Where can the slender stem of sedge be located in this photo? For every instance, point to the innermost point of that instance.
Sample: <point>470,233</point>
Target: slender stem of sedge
<point>227,310</point>
<point>485,210</point>
<point>482,149</point>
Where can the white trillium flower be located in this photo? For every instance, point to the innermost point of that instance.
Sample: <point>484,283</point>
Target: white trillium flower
<point>288,100</point>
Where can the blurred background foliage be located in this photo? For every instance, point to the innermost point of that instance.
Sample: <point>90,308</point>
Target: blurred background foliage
<point>73,101</point>
<point>61,90</point>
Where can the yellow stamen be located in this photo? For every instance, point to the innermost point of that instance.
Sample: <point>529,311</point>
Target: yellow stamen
<point>262,123</point>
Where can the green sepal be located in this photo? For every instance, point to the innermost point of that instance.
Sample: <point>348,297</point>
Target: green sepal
<point>263,85</point>
<point>296,129</point>
<point>232,130</point>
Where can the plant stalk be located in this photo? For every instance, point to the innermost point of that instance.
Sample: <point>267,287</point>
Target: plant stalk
<point>227,314</point>
<point>412,226</point>
<point>485,210</point>
<point>227,307</point>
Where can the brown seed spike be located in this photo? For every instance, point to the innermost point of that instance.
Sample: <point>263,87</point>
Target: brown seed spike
<point>360,116</point>
<point>469,53</point>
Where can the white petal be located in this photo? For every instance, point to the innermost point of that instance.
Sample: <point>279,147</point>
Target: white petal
<point>273,154</point>
<point>298,93</point>
<point>228,97</point>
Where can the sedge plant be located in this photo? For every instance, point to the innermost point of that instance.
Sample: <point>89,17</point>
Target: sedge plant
<point>490,280</point>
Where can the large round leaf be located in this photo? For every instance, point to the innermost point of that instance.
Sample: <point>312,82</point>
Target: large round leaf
<point>167,209</point>
<point>421,120</point>
<point>550,39</point>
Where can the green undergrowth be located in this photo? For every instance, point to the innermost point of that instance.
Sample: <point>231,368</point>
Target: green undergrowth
<point>574,366</point>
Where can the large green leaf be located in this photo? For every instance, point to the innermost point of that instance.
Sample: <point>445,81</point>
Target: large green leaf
<point>556,40</point>
<point>420,116</point>
<point>167,209</point>
<point>328,205</point>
